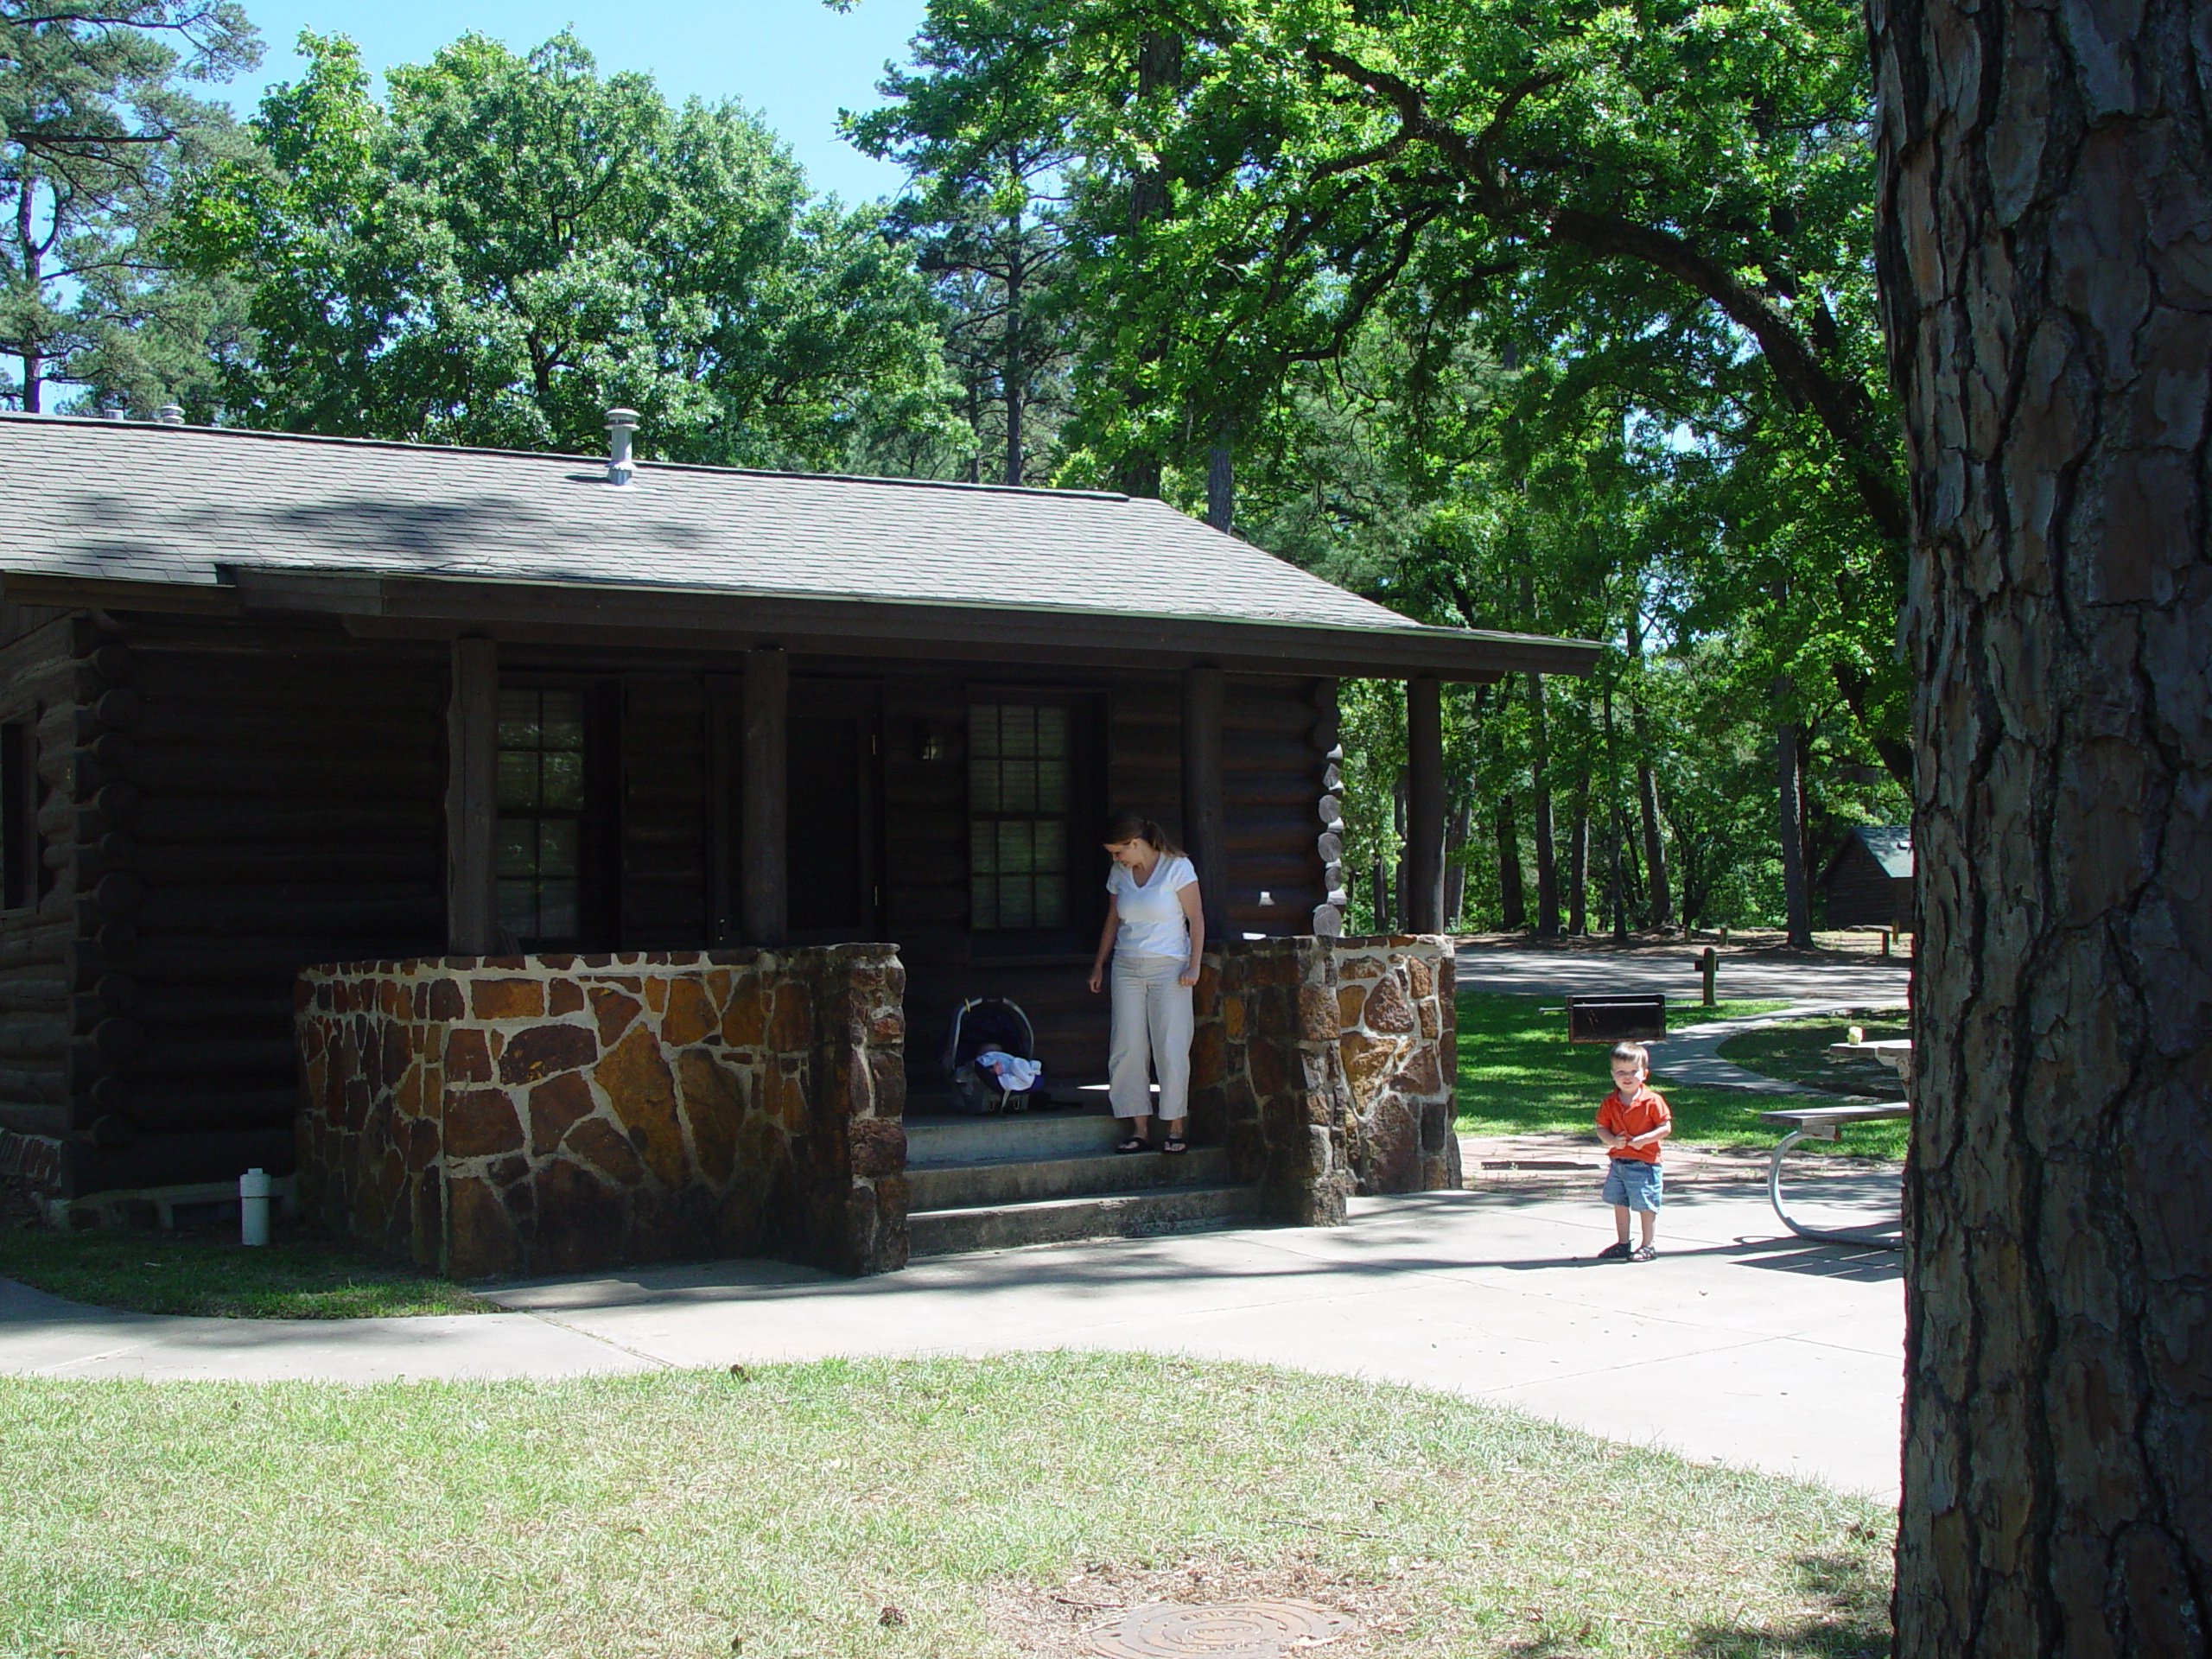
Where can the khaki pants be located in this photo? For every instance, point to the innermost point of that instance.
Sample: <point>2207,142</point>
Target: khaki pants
<point>1152,1021</point>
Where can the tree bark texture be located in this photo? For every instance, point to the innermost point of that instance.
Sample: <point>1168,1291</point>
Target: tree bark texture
<point>1455,864</point>
<point>1578,867</point>
<point>1513,907</point>
<point>1789,831</point>
<point>1540,796</point>
<point>1659,910</point>
<point>2045,250</point>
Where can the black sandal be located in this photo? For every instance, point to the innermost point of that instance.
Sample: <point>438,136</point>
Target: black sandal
<point>1135,1143</point>
<point>1174,1143</point>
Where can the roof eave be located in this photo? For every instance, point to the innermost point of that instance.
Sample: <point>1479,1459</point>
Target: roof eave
<point>433,605</point>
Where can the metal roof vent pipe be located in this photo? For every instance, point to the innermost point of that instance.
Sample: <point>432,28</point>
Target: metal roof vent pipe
<point>170,414</point>
<point>621,423</point>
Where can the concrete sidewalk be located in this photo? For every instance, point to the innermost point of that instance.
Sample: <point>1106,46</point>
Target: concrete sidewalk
<point>1740,1344</point>
<point>1532,969</point>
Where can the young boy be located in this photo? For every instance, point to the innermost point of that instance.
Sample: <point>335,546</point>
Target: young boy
<point>1632,1121</point>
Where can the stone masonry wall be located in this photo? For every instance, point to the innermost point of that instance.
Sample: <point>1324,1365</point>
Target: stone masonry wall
<point>1399,1037</point>
<point>491,1116</point>
<point>1326,1066</point>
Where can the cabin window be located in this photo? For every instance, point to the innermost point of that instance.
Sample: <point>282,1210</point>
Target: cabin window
<point>1020,807</point>
<point>543,815</point>
<point>22,857</point>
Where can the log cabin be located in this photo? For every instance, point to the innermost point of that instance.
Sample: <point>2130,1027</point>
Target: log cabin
<point>268,701</point>
<point>1867,881</point>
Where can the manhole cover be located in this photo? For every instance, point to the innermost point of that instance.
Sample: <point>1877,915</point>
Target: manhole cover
<point>1236,1629</point>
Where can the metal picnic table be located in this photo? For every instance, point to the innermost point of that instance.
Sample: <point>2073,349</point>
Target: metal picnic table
<point>1825,1123</point>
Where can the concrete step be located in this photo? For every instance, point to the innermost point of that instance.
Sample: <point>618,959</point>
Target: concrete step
<point>967,1187</point>
<point>1064,1221</point>
<point>1009,1139</point>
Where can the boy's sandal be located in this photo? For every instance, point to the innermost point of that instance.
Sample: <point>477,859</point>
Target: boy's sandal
<point>1174,1143</point>
<point>1135,1143</point>
<point>1644,1253</point>
<point>1617,1252</point>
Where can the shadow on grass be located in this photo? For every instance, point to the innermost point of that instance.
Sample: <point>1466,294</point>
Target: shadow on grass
<point>1847,1615</point>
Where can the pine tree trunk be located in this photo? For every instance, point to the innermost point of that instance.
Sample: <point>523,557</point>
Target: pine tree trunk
<point>1789,830</point>
<point>1578,866</point>
<point>1660,911</point>
<point>1540,796</point>
<point>1513,905</point>
<point>1455,863</point>
<point>2045,251</point>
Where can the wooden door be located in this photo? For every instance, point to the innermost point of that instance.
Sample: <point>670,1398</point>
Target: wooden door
<point>834,830</point>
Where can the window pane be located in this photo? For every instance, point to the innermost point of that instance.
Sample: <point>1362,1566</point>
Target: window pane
<point>518,720</point>
<point>563,719</point>
<point>563,775</point>
<point>558,912</point>
<point>1014,908</point>
<point>560,847</point>
<point>983,783</point>
<point>518,847</point>
<point>1052,732</point>
<point>1013,848</point>
<point>517,780</point>
<point>984,848</point>
<point>1017,730</point>
<point>518,908</point>
<point>1020,793</point>
<point>983,729</point>
<point>983,902</point>
<point>1052,786</point>
<point>1049,843</point>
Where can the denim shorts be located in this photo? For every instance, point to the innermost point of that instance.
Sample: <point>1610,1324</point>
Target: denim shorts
<point>1633,1184</point>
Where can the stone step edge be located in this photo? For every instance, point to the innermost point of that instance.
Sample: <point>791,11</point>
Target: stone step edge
<point>1110,1201</point>
<point>1134,1160</point>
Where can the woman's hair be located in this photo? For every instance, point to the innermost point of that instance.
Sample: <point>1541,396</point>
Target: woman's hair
<point>1130,827</point>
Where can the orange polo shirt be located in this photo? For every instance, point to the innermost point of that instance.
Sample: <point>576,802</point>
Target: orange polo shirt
<point>1638,1117</point>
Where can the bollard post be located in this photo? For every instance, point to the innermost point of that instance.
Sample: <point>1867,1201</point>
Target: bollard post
<point>1709,964</point>
<point>253,1207</point>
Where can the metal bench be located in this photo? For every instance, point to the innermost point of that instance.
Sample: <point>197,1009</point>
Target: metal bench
<point>1824,1123</point>
<point>1621,1018</point>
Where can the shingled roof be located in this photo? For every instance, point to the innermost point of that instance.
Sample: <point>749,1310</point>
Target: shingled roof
<point>151,506</point>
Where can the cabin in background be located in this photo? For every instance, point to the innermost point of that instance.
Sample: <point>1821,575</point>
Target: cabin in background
<point>270,702</point>
<point>1868,880</point>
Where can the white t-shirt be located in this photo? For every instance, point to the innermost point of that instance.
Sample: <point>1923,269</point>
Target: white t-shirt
<point>1152,920</point>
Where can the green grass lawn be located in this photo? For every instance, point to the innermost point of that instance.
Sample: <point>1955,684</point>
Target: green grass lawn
<point>298,1276</point>
<point>999,1507</point>
<point>1798,1052</point>
<point>1518,1075</point>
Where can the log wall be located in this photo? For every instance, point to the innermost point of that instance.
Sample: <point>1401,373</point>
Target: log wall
<point>231,802</point>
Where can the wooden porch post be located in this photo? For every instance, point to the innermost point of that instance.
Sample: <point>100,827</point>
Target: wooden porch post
<point>1202,827</point>
<point>1424,896</point>
<point>472,799</point>
<point>763,814</point>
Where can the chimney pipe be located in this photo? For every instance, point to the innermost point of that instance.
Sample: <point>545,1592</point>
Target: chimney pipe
<point>170,414</point>
<point>621,423</point>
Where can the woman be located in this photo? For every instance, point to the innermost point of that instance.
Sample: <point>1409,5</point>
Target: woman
<point>1156,932</point>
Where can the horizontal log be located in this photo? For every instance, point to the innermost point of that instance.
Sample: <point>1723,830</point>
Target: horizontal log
<point>27,1117</point>
<point>33,1083</point>
<point>194,820</point>
<point>176,1059</point>
<point>418,868</point>
<point>182,771</point>
<point>229,1109</point>
<point>165,723</point>
<point>33,996</point>
<point>335,915</point>
<point>275,959</point>
<point>41,1036</point>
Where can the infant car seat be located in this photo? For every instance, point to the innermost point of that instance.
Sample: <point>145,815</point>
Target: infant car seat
<point>991,1022</point>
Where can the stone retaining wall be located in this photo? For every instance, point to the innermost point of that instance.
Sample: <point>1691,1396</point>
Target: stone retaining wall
<point>1326,1066</point>
<point>507,1115</point>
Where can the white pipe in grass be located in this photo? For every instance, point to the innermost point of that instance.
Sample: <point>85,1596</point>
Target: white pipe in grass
<point>253,1207</point>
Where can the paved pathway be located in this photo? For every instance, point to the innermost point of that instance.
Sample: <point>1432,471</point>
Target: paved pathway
<point>1564,970</point>
<point>1692,1054</point>
<point>1740,1344</point>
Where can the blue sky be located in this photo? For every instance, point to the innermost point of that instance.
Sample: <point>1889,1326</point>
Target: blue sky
<point>794,61</point>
